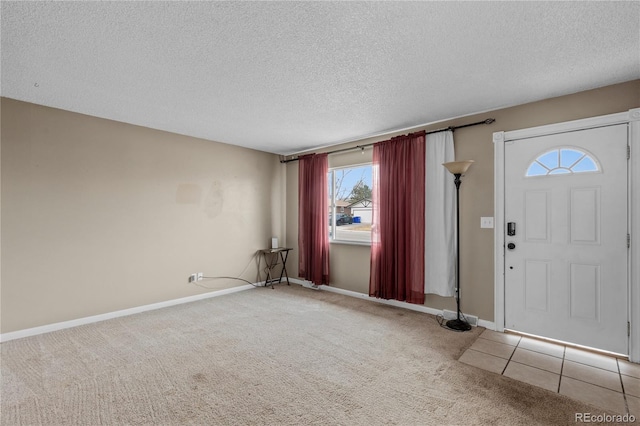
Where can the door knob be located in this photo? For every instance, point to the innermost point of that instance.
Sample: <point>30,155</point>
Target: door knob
<point>511,246</point>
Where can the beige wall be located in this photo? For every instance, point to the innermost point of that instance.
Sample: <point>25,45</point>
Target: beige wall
<point>99,216</point>
<point>350,264</point>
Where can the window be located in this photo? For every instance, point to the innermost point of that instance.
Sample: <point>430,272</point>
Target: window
<point>562,161</point>
<point>350,208</point>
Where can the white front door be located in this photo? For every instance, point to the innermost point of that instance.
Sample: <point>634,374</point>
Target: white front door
<point>566,260</point>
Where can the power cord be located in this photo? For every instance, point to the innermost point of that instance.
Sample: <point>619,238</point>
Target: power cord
<point>223,278</point>
<point>255,255</point>
<point>252,259</point>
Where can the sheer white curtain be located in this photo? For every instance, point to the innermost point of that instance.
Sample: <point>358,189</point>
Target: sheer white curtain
<point>440,211</point>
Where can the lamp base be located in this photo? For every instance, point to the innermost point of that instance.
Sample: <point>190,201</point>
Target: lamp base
<point>458,325</point>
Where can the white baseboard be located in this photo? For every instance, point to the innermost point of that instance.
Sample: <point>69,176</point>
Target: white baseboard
<point>490,325</point>
<point>411,306</point>
<point>304,283</point>
<point>5,337</point>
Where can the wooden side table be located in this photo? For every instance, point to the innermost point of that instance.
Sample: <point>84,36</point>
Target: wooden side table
<point>271,259</point>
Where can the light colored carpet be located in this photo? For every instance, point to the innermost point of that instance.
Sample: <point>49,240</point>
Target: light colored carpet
<point>289,356</point>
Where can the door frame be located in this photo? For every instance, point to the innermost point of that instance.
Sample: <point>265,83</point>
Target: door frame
<point>632,118</point>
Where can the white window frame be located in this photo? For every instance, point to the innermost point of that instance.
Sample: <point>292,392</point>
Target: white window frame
<point>332,205</point>
<point>586,154</point>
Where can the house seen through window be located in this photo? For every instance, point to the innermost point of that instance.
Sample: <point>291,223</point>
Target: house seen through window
<point>350,207</point>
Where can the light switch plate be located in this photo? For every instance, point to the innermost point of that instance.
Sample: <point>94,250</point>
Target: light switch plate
<point>486,222</point>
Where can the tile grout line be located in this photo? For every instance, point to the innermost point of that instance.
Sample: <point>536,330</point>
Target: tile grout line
<point>509,360</point>
<point>597,385</point>
<point>492,342</point>
<point>546,353</point>
<point>594,366</point>
<point>624,394</point>
<point>564,351</point>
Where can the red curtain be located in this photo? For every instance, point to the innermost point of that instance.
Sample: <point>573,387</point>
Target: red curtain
<point>313,219</point>
<point>397,247</point>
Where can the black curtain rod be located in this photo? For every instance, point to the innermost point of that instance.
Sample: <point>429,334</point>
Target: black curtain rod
<point>452,128</point>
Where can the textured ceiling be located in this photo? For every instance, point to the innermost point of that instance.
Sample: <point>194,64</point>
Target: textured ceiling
<point>288,76</point>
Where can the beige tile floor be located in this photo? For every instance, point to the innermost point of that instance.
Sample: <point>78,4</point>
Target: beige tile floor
<point>604,382</point>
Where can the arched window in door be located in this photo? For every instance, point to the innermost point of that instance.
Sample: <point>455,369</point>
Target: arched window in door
<point>561,161</point>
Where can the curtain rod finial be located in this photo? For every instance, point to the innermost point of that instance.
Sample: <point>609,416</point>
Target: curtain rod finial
<point>489,120</point>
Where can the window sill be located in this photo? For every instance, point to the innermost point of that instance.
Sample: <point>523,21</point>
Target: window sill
<point>351,243</point>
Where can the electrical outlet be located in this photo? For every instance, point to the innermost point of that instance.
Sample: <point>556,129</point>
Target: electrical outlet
<point>193,278</point>
<point>200,276</point>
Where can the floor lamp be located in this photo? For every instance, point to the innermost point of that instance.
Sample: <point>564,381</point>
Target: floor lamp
<point>457,169</point>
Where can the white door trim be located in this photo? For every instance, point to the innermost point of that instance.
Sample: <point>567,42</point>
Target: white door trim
<point>632,117</point>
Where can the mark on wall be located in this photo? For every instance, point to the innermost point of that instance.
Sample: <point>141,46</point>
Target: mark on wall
<point>214,200</point>
<point>188,193</point>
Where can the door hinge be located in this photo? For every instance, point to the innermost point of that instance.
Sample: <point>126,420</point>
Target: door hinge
<point>628,328</point>
<point>628,152</point>
<point>628,240</point>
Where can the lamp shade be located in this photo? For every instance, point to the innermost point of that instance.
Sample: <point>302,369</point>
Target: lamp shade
<point>458,167</point>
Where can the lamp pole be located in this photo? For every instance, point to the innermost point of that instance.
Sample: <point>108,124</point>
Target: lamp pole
<point>457,169</point>
<point>458,324</point>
